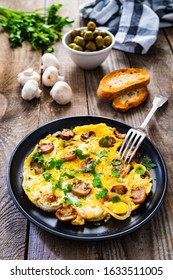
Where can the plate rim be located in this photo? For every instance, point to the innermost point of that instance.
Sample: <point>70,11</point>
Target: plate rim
<point>75,237</point>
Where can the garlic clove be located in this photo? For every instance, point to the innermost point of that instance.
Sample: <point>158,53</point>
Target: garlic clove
<point>61,92</point>
<point>30,90</point>
<point>49,59</point>
<point>50,76</point>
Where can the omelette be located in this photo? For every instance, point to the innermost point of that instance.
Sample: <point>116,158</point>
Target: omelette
<point>77,174</point>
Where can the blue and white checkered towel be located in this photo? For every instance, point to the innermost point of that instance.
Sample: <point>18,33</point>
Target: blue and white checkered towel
<point>135,23</point>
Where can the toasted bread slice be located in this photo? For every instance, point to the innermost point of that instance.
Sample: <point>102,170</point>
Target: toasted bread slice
<point>122,81</point>
<point>130,99</point>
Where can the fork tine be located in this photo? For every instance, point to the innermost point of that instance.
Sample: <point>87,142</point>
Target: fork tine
<point>140,139</point>
<point>131,143</point>
<point>130,149</point>
<point>126,143</point>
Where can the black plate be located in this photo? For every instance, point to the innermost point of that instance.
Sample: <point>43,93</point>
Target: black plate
<point>89,231</point>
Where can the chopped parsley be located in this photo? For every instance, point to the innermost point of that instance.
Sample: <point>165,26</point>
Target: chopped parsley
<point>115,173</point>
<point>67,190</point>
<point>78,204</point>
<point>147,162</point>
<point>48,177</point>
<point>58,163</point>
<point>101,154</point>
<point>80,154</point>
<point>116,163</point>
<point>37,157</point>
<point>68,201</point>
<point>102,193</point>
<point>97,181</point>
<point>57,184</point>
<point>139,170</point>
<point>116,199</point>
<point>50,164</point>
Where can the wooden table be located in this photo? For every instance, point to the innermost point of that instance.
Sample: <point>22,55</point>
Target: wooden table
<point>20,239</point>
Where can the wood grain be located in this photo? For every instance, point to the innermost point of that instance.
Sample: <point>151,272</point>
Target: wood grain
<point>20,239</point>
<point>18,119</point>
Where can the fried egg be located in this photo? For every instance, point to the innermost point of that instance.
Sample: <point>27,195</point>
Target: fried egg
<point>77,174</point>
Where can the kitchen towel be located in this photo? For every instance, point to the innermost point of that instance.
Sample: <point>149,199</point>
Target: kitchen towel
<point>135,23</point>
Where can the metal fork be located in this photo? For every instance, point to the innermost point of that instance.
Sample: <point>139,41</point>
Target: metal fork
<point>135,136</point>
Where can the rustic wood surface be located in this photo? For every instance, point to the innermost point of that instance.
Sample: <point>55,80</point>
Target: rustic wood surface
<point>20,239</point>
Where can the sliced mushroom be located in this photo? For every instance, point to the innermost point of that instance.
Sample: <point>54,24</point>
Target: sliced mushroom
<point>37,167</point>
<point>119,189</point>
<point>118,134</point>
<point>107,141</point>
<point>81,188</point>
<point>138,195</point>
<point>67,134</point>
<point>89,165</point>
<point>66,213</point>
<point>48,207</point>
<point>87,135</point>
<point>46,148</point>
<point>50,197</point>
<point>69,156</point>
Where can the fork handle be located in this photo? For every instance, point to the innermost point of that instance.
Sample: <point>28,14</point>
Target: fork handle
<point>157,102</point>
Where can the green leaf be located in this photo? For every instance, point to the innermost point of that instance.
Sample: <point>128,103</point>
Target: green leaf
<point>38,157</point>
<point>147,162</point>
<point>68,201</point>
<point>58,163</point>
<point>50,164</point>
<point>48,177</point>
<point>78,204</point>
<point>97,181</point>
<point>57,184</point>
<point>101,154</point>
<point>115,173</point>
<point>116,199</point>
<point>41,30</point>
<point>67,190</point>
<point>102,193</point>
<point>139,170</point>
<point>116,163</point>
<point>80,154</point>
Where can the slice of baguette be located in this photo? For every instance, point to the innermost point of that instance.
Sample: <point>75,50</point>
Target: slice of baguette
<point>130,99</point>
<point>122,81</point>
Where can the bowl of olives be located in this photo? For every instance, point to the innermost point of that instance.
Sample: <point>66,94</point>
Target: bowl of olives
<point>88,46</point>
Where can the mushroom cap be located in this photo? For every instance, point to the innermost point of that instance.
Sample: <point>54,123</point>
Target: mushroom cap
<point>49,59</point>
<point>50,76</point>
<point>61,93</point>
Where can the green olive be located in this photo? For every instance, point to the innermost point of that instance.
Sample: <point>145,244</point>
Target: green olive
<point>107,40</point>
<point>75,33</point>
<point>103,33</point>
<point>91,25</point>
<point>91,46</point>
<point>99,41</point>
<point>79,41</point>
<point>88,35</point>
<point>96,33</point>
<point>75,47</point>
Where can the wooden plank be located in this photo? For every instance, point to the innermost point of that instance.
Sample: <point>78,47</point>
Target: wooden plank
<point>48,246</point>
<point>18,118</point>
<point>159,63</point>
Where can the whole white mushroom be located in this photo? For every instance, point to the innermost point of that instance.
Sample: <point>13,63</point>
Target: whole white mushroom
<point>30,90</point>
<point>49,59</point>
<point>28,74</point>
<point>61,92</point>
<point>50,76</point>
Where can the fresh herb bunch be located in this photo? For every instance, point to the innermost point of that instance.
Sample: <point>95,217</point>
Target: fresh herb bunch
<point>41,30</point>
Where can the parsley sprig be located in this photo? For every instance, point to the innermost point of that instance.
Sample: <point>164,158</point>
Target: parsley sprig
<point>41,30</point>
